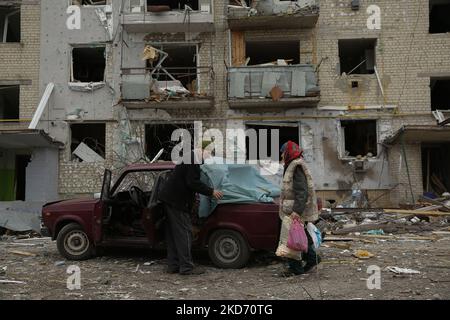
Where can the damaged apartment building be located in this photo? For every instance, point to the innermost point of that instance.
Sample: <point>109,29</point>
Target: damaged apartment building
<point>361,85</point>
<point>28,156</point>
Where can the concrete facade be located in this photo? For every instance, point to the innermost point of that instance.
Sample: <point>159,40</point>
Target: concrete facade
<point>406,55</point>
<point>28,159</point>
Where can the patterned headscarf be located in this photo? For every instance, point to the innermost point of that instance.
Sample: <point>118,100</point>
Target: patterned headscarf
<point>291,151</point>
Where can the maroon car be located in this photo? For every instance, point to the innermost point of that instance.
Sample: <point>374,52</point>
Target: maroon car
<point>128,214</point>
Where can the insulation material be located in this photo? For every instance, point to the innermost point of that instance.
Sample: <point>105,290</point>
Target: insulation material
<point>150,54</point>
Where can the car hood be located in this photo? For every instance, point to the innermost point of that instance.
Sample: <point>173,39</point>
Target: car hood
<point>72,203</point>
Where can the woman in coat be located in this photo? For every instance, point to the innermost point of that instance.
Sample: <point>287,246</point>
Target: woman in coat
<point>298,201</point>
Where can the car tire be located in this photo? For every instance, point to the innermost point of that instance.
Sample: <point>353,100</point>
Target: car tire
<point>73,243</point>
<point>228,249</point>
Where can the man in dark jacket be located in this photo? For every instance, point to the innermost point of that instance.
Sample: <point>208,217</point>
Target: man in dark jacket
<point>178,196</point>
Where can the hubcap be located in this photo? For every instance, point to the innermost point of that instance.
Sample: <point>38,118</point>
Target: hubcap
<point>76,243</point>
<point>227,249</point>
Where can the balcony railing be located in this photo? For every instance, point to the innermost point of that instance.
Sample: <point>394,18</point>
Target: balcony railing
<point>272,14</point>
<point>284,86</point>
<point>140,16</point>
<point>176,85</point>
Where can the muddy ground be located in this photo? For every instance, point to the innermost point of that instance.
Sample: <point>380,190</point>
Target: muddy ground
<point>138,274</point>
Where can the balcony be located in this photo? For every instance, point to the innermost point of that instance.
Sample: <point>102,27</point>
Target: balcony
<point>144,16</point>
<point>273,14</point>
<point>169,88</point>
<point>273,87</point>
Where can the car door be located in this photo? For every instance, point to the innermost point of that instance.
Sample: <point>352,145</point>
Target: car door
<point>102,206</point>
<point>153,215</point>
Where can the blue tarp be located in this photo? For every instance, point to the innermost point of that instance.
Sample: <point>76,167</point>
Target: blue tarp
<point>240,183</point>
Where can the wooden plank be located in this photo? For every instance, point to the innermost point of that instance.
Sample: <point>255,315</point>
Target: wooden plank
<point>418,213</point>
<point>238,48</point>
<point>435,202</point>
<point>23,253</point>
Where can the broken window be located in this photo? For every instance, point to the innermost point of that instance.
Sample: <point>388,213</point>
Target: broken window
<point>21,172</point>
<point>88,64</point>
<point>9,102</point>
<point>360,137</point>
<point>9,24</point>
<point>435,168</point>
<point>439,16</point>
<point>440,94</point>
<point>181,63</point>
<point>167,5</point>
<point>288,131</point>
<point>357,56</point>
<point>88,142</point>
<point>159,136</point>
<point>88,2</point>
<point>261,52</point>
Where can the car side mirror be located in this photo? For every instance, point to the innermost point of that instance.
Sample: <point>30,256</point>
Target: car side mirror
<point>97,195</point>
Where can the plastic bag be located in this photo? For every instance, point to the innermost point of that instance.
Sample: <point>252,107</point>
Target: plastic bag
<point>297,239</point>
<point>282,250</point>
<point>315,234</point>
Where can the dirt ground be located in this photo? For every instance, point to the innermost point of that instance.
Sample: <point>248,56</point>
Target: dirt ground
<point>139,274</point>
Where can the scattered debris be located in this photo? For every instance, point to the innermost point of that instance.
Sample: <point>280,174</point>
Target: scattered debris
<point>59,263</point>
<point>374,232</point>
<point>23,253</point>
<point>362,254</point>
<point>398,270</point>
<point>87,154</point>
<point>12,282</point>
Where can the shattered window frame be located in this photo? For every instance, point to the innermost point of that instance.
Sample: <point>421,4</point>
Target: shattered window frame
<point>144,180</point>
<point>4,23</point>
<point>146,5</point>
<point>356,67</point>
<point>341,138</point>
<point>95,3</point>
<point>72,79</point>
<point>86,140</point>
<point>198,67</point>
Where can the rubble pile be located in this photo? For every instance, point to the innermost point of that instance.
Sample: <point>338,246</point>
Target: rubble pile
<point>427,216</point>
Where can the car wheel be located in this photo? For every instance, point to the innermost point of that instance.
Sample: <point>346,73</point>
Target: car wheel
<point>73,243</point>
<point>228,249</point>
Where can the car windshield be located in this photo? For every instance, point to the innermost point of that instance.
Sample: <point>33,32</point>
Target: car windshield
<point>144,180</point>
